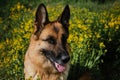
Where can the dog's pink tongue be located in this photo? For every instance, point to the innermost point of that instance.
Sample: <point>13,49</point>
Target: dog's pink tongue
<point>59,67</point>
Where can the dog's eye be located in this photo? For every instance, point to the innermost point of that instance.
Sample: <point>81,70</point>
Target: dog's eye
<point>51,41</point>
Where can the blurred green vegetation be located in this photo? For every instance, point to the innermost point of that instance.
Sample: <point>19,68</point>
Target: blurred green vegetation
<point>94,36</point>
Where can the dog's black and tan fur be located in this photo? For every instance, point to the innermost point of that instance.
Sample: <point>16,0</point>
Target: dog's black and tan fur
<point>47,56</point>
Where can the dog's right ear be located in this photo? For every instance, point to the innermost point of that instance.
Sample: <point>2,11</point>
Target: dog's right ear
<point>41,18</point>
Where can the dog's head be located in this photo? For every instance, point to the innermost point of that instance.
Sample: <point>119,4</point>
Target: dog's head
<point>51,37</point>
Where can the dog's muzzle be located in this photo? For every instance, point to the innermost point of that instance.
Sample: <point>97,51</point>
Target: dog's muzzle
<point>58,61</point>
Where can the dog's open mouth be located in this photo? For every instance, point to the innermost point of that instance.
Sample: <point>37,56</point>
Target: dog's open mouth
<point>60,68</point>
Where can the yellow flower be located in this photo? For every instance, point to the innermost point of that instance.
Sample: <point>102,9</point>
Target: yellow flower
<point>111,24</point>
<point>15,30</point>
<point>117,27</point>
<point>18,6</point>
<point>98,35</point>
<point>85,36</point>
<point>101,45</point>
<point>79,25</point>
<point>106,26</point>
<point>85,27</point>
<point>7,40</point>
<point>22,6</point>
<point>105,50</point>
<point>80,39</point>
<point>89,35</point>
<point>1,46</point>
<point>109,39</point>
<point>70,38</point>
<point>80,45</point>
<point>75,38</point>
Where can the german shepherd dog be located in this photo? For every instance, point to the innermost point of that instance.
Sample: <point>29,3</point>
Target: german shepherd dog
<point>47,57</point>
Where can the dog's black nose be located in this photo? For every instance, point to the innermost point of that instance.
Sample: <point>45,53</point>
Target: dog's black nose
<point>65,59</point>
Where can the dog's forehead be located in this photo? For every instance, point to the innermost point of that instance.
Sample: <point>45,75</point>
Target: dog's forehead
<point>56,26</point>
<point>53,28</point>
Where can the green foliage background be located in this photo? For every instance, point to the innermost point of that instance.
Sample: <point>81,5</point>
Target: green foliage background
<point>94,36</point>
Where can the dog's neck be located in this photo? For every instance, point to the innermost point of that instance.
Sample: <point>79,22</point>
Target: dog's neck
<point>42,75</point>
<point>47,76</point>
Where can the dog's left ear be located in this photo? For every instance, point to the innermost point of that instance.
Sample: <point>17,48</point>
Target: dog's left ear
<point>65,16</point>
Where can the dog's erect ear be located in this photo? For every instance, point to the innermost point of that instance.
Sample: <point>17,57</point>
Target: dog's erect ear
<point>65,16</point>
<point>41,17</point>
